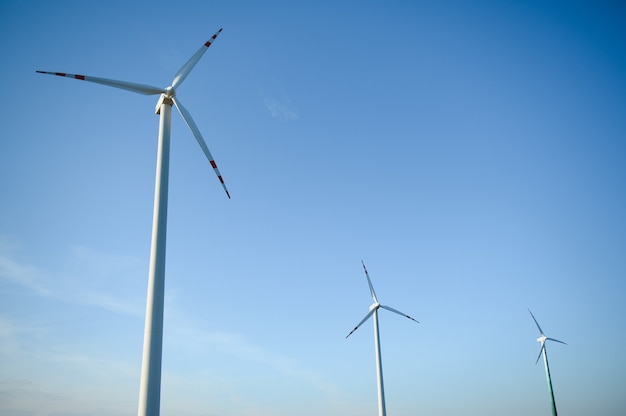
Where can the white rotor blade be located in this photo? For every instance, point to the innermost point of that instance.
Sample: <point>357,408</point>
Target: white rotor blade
<point>536,323</point>
<point>556,340</point>
<point>130,86</point>
<point>369,282</point>
<point>186,69</point>
<point>540,351</point>
<point>361,323</point>
<point>196,133</point>
<point>398,312</point>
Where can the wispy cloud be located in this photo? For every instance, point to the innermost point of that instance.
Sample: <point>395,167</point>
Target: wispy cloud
<point>278,103</point>
<point>281,108</point>
<point>8,337</point>
<point>20,274</point>
<point>102,275</point>
<point>196,340</point>
<point>92,278</point>
<point>88,278</point>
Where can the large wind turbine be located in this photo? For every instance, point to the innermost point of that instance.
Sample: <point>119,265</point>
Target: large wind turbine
<point>150,387</point>
<point>542,339</point>
<point>382,411</point>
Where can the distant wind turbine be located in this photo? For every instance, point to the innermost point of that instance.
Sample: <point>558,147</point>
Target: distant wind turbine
<point>379,365</point>
<point>150,387</point>
<point>542,339</point>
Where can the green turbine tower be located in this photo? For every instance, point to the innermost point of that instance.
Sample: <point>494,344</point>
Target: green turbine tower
<point>542,339</point>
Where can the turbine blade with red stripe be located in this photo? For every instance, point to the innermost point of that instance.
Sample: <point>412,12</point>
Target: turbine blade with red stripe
<point>130,86</point>
<point>196,133</point>
<point>369,282</point>
<point>186,69</point>
<point>398,312</point>
<point>361,323</point>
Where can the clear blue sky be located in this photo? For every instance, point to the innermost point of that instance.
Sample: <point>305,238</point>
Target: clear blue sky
<point>473,154</point>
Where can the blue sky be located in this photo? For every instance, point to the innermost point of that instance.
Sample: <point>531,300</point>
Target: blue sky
<point>471,153</point>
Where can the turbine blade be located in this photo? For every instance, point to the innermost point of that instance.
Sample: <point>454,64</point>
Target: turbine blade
<point>130,86</point>
<point>369,282</point>
<point>556,340</point>
<point>196,133</point>
<point>186,69</point>
<point>398,312</point>
<point>536,323</point>
<point>540,351</point>
<point>361,323</point>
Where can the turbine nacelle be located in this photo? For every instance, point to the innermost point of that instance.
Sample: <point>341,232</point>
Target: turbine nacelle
<point>542,339</point>
<point>163,99</point>
<point>374,306</point>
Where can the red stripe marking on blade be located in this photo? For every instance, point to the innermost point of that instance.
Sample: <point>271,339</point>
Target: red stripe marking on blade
<point>213,164</point>
<point>208,43</point>
<point>221,180</point>
<point>61,74</point>
<point>81,77</point>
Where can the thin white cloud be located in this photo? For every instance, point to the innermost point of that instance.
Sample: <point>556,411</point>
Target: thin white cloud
<point>87,279</point>
<point>196,340</point>
<point>31,385</point>
<point>8,337</point>
<point>111,303</point>
<point>20,274</point>
<point>101,276</point>
<point>278,103</point>
<point>282,109</point>
<point>82,284</point>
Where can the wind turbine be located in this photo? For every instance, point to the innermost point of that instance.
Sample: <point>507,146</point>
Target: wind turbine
<point>542,339</point>
<point>379,365</point>
<point>150,387</point>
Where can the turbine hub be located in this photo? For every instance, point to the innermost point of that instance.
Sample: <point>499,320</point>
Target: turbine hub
<point>169,92</point>
<point>375,306</point>
<point>542,339</point>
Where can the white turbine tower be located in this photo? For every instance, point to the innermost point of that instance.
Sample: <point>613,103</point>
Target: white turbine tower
<point>542,339</point>
<point>382,411</point>
<point>150,387</point>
